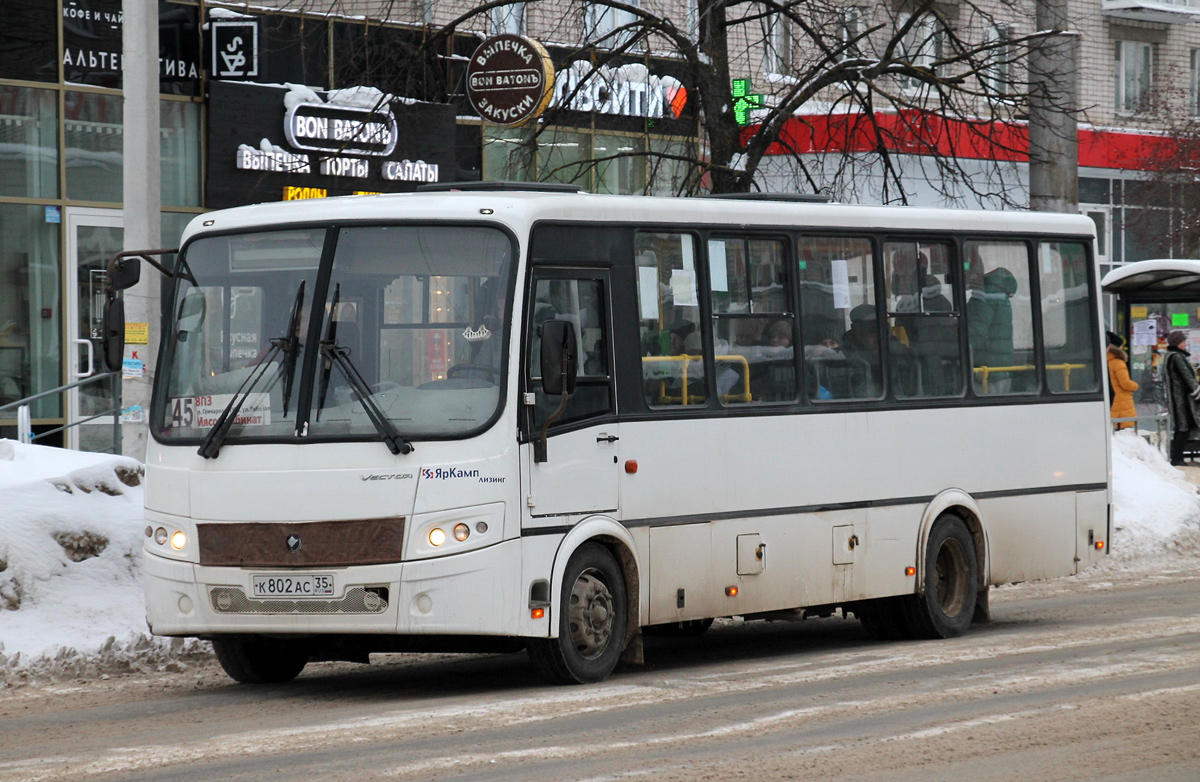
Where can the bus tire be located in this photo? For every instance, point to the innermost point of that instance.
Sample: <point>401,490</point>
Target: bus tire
<point>260,660</point>
<point>692,628</point>
<point>951,582</point>
<point>591,621</point>
<point>883,618</point>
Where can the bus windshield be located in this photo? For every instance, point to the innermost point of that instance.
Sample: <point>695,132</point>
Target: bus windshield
<point>399,329</point>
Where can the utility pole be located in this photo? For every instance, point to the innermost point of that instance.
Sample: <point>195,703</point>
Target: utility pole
<point>1053,134</point>
<point>143,202</point>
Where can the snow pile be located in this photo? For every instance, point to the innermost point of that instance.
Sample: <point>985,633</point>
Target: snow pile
<point>1156,510</point>
<point>70,566</point>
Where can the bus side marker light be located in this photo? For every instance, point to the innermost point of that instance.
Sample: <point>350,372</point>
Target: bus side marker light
<point>731,591</point>
<point>1099,545</point>
<point>437,536</point>
<point>178,540</point>
<point>631,466</point>
<point>461,532</point>
<point>537,613</point>
<point>910,571</point>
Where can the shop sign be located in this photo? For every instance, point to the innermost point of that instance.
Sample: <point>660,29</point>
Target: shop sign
<point>630,90</point>
<point>92,43</point>
<point>327,127</point>
<point>234,48</point>
<point>510,79</point>
<point>321,143</point>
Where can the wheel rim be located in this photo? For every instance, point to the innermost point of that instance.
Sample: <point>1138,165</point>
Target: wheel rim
<point>590,615</point>
<point>951,572</point>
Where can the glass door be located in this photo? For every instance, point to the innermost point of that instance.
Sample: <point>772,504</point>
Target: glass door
<point>93,236</point>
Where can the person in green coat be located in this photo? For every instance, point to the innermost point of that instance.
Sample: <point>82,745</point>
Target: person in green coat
<point>990,328</point>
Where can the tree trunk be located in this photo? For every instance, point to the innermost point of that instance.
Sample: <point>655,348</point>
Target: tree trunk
<point>720,125</point>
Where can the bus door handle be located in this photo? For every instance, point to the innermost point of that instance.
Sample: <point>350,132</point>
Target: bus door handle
<point>91,358</point>
<point>606,438</point>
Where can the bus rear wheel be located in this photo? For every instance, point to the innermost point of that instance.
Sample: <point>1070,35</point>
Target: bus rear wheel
<point>945,608</point>
<point>260,660</point>
<point>592,618</point>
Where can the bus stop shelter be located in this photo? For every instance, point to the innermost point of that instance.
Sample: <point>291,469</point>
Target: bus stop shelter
<point>1154,298</point>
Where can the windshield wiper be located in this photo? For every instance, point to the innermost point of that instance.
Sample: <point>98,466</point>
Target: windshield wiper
<point>330,339</point>
<point>291,347</point>
<point>210,448</point>
<point>336,354</point>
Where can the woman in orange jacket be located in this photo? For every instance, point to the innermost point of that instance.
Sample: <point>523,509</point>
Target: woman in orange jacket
<point>1120,382</point>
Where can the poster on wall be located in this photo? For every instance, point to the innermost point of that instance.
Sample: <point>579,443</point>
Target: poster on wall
<point>268,143</point>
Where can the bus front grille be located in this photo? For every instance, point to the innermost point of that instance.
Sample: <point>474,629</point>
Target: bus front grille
<point>358,600</point>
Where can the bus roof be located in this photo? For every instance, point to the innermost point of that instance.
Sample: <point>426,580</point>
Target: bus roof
<point>519,210</point>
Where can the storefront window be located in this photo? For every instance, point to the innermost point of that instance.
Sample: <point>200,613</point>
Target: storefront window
<point>508,153</point>
<point>668,175</point>
<point>563,156</point>
<point>180,164</point>
<point>29,133</point>
<point>30,350</point>
<point>94,149</point>
<point>29,47</point>
<point>620,164</point>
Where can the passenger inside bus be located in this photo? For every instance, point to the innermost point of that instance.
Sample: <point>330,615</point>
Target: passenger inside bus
<point>860,346</point>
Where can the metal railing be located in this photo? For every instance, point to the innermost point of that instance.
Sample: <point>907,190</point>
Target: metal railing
<point>25,430</point>
<point>1160,439</point>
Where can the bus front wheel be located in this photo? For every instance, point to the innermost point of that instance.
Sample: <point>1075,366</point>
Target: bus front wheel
<point>592,618</point>
<point>260,660</point>
<point>945,608</point>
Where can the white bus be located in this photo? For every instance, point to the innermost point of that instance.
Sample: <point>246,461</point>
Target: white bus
<point>494,420</point>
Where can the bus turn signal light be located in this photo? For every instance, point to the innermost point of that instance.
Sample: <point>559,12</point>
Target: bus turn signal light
<point>731,591</point>
<point>1099,545</point>
<point>910,571</point>
<point>537,613</point>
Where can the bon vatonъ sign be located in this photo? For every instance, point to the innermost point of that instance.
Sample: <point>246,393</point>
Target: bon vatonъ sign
<point>510,79</point>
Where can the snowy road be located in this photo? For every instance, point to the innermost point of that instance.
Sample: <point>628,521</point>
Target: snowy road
<point>1096,677</point>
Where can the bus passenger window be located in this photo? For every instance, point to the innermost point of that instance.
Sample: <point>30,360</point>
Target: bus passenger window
<point>752,328</point>
<point>999,318</point>
<point>1066,317</point>
<point>580,302</point>
<point>838,318</point>
<point>924,345</point>
<point>668,318</point>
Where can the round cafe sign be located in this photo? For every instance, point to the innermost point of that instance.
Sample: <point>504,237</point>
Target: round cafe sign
<point>510,79</point>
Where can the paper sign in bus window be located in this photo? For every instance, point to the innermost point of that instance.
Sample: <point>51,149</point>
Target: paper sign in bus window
<point>648,292</point>
<point>683,288</point>
<point>841,285</point>
<point>718,268</point>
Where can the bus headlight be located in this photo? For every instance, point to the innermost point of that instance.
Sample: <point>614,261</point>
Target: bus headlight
<point>160,535</point>
<point>437,536</point>
<point>461,532</point>
<point>178,540</point>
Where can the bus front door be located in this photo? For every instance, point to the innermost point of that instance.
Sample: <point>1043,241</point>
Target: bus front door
<point>579,474</point>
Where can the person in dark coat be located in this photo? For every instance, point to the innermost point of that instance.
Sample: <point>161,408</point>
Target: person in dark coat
<point>1183,395</point>
<point>990,326</point>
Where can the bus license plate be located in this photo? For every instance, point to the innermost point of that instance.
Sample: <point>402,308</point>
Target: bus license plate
<point>311,585</point>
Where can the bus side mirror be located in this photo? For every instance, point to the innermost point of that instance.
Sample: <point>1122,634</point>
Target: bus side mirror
<point>114,333</point>
<point>559,361</point>
<point>124,273</point>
